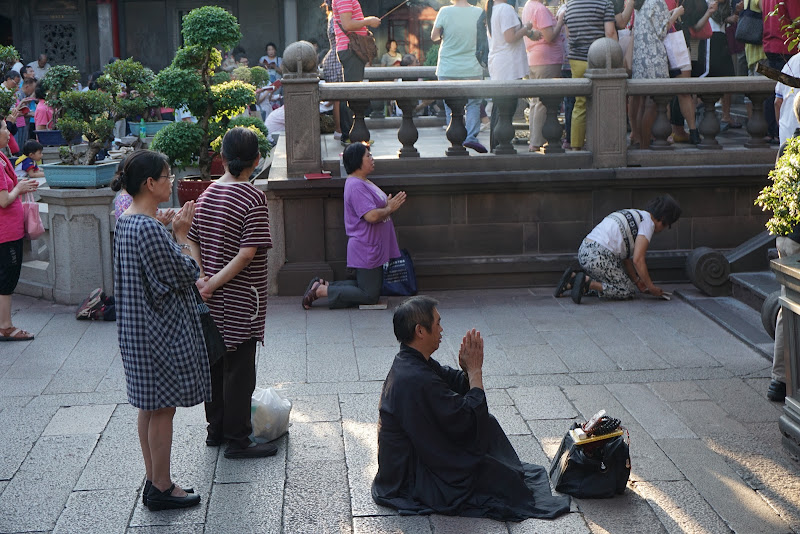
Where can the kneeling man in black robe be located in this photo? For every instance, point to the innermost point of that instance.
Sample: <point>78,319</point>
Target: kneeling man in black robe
<point>439,450</point>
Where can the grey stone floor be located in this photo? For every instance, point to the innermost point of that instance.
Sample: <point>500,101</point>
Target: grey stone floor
<point>705,447</point>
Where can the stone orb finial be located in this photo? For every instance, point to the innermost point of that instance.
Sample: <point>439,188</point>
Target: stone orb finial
<point>300,54</point>
<point>605,53</point>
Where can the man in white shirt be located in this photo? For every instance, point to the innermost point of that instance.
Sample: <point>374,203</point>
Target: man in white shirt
<point>40,66</point>
<point>784,101</point>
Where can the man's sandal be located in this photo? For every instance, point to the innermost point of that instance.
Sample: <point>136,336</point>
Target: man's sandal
<point>565,283</point>
<point>311,292</point>
<point>14,334</point>
<point>580,287</point>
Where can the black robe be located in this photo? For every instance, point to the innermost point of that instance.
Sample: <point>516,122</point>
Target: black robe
<point>439,450</point>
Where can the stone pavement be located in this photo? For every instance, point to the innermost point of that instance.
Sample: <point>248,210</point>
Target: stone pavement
<point>705,446</point>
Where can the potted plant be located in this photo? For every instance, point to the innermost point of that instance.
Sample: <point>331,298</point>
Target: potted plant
<point>130,85</point>
<point>59,80</point>
<point>189,83</point>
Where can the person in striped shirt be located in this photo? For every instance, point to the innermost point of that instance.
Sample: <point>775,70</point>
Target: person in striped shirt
<point>586,21</point>
<point>229,240</point>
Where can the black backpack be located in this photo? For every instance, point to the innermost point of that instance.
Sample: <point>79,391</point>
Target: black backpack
<point>482,44</point>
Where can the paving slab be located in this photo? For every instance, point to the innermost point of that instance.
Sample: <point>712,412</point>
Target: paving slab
<point>79,399</point>
<point>97,512</point>
<point>21,428</point>
<point>741,401</point>
<point>374,362</point>
<point>655,416</point>
<point>172,529</point>
<point>510,420</point>
<point>681,508</point>
<point>656,375</point>
<point>392,525</point>
<point>44,483</point>
<point>686,390</point>
<point>116,462</point>
<point>282,359</point>
<point>544,402</point>
<point>497,397</point>
<point>74,420</point>
<point>316,498</point>
<point>634,356</point>
<point>572,523</point>
<point>706,418</point>
<point>737,504</point>
<point>443,524</point>
<point>331,362</point>
<point>315,408</point>
<point>254,507</point>
<point>535,360</point>
<point>579,352</point>
<point>269,471</point>
<point>628,513</point>
<point>316,442</point>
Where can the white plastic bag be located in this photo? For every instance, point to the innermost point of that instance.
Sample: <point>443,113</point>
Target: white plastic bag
<point>269,414</point>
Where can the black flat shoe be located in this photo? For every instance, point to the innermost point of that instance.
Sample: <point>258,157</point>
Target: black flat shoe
<point>776,391</point>
<point>256,450</point>
<point>564,284</point>
<point>148,485</point>
<point>164,500</point>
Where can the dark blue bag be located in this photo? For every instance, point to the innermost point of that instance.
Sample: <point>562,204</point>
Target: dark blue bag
<point>399,278</point>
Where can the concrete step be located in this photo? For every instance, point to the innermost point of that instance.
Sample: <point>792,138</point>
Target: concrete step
<point>754,287</point>
<point>733,315</point>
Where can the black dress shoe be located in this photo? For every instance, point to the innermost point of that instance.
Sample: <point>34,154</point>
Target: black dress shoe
<point>164,500</point>
<point>255,450</point>
<point>776,391</point>
<point>148,485</point>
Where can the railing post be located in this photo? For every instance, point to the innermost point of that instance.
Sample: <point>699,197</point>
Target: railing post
<point>661,127</point>
<point>359,131</point>
<point>504,131</point>
<point>551,130</point>
<point>605,125</point>
<point>407,134</point>
<point>301,99</point>
<point>757,124</point>
<point>709,127</point>
<point>456,132</point>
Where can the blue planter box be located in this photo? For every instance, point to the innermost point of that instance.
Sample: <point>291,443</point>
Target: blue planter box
<point>99,175</point>
<point>53,138</point>
<point>150,128</point>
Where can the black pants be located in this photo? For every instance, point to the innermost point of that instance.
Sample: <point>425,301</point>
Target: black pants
<point>777,62</point>
<point>233,379</point>
<point>353,71</point>
<point>10,265</point>
<point>365,289</point>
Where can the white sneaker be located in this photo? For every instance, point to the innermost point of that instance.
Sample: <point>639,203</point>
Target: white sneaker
<point>337,136</point>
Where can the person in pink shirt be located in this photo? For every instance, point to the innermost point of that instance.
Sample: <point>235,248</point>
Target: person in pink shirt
<point>43,116</point>
<point>12,231</point>
<point>545,57</point>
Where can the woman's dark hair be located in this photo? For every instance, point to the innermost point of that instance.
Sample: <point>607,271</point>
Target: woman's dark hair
<point>273,45</point>
<point>637,4</point>
<point>664,208</point>
<point>239,149</point>
<point>489,7</point>
<point>39,92</point>
<point>389,44</point>
<point>353,156</point>
<point>137,168</point>
<point>410,313</point>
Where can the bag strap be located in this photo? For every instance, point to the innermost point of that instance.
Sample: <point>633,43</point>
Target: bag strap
<point>626,221</point>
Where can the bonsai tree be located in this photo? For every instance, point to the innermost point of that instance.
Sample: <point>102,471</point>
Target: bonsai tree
<point>130,85</point>
<point>782,197</point>
<point>58,81</point>
<point>189,82</point>
<point>8,56</point>
<point>90,114</point>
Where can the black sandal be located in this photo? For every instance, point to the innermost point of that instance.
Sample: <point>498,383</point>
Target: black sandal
<point>580,287</point>
<point>565,283</point>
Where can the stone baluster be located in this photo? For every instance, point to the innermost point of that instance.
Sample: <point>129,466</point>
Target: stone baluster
<point>552,129</point>
<point>661,127</point>
<point>456,131</point>
<point>407,134</point>
<point>709,127</point>
<point>504,131</point>
<point>359,131</point>
<point>378,111</point>
<point>757,124</point>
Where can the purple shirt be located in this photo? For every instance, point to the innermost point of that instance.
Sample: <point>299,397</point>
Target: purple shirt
<point>370,245</point>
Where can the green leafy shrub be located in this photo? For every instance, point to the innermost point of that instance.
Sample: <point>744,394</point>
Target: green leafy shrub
<point>191,82</point>
<point>59,80</point>
<point>90,114</point>
<point>259,76</point>
<point>8,56</point>
<point>251,123</point>
<point>242,74</point>
<point>130,85</point>
<point>782,197</point>
<point>221,77</point>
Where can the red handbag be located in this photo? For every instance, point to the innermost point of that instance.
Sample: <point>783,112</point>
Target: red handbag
<point>701,35</point>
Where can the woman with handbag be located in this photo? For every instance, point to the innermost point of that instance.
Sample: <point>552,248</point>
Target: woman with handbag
<point>158,322</point>
<point>651,25</point>
<point>12,231</point>
<point>372,240</point>
<point>229,238</point>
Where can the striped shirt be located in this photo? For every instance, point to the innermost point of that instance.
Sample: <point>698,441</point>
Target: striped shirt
<point>346,6</point>
<point>228,217</point>
<point>585,20</point>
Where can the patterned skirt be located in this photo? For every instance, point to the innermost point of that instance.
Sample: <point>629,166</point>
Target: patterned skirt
<point>331,68</point>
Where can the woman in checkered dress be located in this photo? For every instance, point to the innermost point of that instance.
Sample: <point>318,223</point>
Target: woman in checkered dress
<point>160,337</point>
<point>331,68</point>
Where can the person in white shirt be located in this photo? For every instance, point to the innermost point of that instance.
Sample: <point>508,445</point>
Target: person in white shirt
<point>612,256</point>
<point>40,66</point>
<point>784,101</point>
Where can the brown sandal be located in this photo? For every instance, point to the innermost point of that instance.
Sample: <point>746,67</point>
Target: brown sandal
<point>14,334</point>
<point>311,294</point>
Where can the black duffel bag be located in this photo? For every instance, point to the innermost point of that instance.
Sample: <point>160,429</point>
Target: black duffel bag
<point>594,471</point>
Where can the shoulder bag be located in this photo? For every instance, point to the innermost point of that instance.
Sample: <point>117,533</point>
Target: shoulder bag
<point>750,27</point>
<point>399,278</point>
<point>363,46</point>
<point>215,344</point>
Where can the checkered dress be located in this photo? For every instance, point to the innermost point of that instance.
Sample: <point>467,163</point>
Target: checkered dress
<point>160,338</point>
<point>331,68</point>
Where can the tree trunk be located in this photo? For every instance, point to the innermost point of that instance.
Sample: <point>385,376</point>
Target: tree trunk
<point>778,76</point>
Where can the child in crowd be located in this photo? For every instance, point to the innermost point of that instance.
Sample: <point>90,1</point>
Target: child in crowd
<point>43,116</point>
<point>26,165</point>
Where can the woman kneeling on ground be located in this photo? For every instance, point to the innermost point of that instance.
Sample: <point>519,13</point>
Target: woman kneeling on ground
<point>612,256</point>
<point>372,241</point>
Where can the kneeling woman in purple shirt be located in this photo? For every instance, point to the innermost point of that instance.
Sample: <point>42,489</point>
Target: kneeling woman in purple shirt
<point>372,241</point>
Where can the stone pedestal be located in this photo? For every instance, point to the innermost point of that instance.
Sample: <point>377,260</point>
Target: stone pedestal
<point>301,98</point>
<point>605,132</point>
<point>787,271</point>
<point>81,255</point>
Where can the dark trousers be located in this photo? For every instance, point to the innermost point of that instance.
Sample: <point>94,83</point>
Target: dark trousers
<point>569,104</point>
<point>353,70</point>
<point>233,379</point>
<point>365,289</point>
<point>777,62</point>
